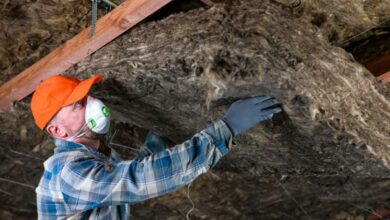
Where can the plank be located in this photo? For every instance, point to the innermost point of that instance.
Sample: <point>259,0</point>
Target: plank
<point>208,2</point>
<point>384,78</point>
<point>379,65</point>
<point>110,26</point>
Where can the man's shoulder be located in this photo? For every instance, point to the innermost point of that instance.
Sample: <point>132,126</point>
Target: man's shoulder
<point>56,162</point>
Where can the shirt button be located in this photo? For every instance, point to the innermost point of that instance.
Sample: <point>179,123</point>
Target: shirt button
<point>141,165</point>
<point>108,167</point>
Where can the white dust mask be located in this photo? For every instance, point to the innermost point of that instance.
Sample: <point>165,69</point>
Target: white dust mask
<point>97,116</point>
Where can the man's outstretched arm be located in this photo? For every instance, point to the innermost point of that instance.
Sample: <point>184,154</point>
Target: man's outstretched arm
<point>87,184</point>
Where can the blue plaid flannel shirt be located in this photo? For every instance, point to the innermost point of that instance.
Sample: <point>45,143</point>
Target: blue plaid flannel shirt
<point>81,183</point>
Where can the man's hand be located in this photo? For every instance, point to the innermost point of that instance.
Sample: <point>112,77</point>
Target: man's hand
<point>246,113</point>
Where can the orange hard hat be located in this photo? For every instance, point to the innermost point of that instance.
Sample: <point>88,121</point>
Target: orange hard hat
<point>56,92</point>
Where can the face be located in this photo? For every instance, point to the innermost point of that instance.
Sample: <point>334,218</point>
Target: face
<point>69,120</point>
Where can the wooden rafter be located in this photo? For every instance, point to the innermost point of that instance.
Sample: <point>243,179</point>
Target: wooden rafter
<point>208,2</point>
<point>379,65</point>
<point>119,20</point>
<point>384,78</point>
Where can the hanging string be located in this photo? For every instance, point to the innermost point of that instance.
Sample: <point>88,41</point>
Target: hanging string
<point>361,33</point>
<point>292,198</point>
<point>17,183</point>
<point>110,142</point>
<point>365,206</point>
<point>192,203</point>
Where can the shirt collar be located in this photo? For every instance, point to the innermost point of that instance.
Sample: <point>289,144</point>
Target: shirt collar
<point>64,146</point>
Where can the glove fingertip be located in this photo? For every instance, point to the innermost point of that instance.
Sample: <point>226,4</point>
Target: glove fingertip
<point>259,99</point>
<point>277,110</point>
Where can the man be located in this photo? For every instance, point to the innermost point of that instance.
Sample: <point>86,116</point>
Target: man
<point>85,179</point>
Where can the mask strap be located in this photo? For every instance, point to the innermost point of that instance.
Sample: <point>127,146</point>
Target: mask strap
<point>81,132</point>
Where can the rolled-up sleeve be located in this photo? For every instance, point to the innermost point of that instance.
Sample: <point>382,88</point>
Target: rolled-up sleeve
<point>88,183</point>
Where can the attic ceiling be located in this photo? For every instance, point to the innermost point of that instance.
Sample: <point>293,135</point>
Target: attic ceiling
<point>326,157</point>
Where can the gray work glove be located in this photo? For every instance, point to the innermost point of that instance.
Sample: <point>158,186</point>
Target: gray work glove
<point>246,113</point>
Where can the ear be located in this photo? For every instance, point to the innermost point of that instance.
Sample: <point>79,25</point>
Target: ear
<point>56,131</point>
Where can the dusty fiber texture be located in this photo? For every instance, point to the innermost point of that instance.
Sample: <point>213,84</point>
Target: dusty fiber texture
<point>343,21</point>
<point>30,29</point>
<point>33,28</point>
<point>326,157</point>
<point>177,75</point>
<point>183,78</point>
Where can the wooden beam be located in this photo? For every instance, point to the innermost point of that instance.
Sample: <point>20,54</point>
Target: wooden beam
<point>379,214</point>
<point>379,65</point>
<point>384,78</point>
<point>119,20</point>
<point>208,2</point>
